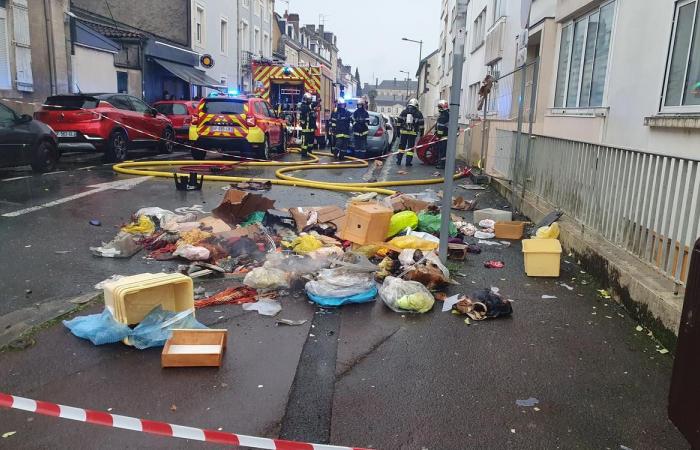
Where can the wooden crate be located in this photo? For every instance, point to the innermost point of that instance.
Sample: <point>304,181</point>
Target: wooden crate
<point>366,222</point>
<point>194,348</point>
<point>509,230</point>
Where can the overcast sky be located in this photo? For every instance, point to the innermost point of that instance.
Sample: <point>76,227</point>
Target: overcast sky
<point>370,31</point>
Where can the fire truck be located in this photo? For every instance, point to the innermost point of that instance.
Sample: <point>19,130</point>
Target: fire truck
<point>285,85</point>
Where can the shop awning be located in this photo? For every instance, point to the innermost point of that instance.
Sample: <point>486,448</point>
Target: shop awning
<point>189,74</point>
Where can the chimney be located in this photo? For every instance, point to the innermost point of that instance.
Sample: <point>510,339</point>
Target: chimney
<point>320,29</point>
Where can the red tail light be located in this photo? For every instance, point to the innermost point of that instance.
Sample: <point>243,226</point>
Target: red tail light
<point>379,132</point>
<point>250,121</point>
<point>194,120</point>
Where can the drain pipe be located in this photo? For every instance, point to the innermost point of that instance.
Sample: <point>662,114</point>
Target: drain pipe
<point>50,46</point>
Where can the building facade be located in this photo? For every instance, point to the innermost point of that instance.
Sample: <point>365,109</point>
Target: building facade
<point>255,22</point>
<point>214,34</point>
<point>428,77</point>
<point>34,57</point>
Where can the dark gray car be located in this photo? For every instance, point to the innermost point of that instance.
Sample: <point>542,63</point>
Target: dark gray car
<point>24,140</point>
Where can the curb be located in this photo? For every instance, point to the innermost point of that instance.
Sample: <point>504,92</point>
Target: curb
<point>23,322</point>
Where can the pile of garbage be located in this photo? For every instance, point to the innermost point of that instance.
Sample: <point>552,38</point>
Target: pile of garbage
<point>336,256</point>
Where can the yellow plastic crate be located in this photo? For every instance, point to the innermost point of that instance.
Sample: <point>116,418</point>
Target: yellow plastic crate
<point>132,298</point>
<point>542,257</point>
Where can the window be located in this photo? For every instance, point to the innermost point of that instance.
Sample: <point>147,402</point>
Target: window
<point>5,78</point>
<point>266,45</point>
<point>223,106</point>
<point>583,59</point>
<point>682,85</point>
<point>290,31</point>
<point>473,98</point>
<point>7,116</point>
<point>259,109</point>
<point>224,36</point>
<point>258,8</point>
<point>499,9</point>
<point>120,102</point>
<point>172,109</point>
<point>139,106</point>
<point>479,30</point>
<point>266,15</point>
<point>495,71</point>
<point>246,3</point>
<point>199,21</point>
<point>245,36</point>
<point>256,41</point>
<point>123,82</point>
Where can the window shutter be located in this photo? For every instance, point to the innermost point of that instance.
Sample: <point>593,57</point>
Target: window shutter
<point>5,79</point>
<point>23,51</point>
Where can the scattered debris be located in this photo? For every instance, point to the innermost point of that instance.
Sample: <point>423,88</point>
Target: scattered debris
<point>95,223</point>
<point>291,323</point>
<point>8,434</point>
<point>545,296</point>
<point>494,264</point>
<point>527,402</point>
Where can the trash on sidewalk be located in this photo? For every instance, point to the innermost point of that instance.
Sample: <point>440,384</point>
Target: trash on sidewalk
<point>194,348</point>
<point>266,278</point>
<point>542,257</point>
<point>253,185</point>
<point>509,230</point>
<point>366,223</point>
<point>400,221</point>
<point>548,232</point>
<point>310,215</point>
<point>405,202</point>
<point>494,264</point>
<point>291,323</point>
<point>122,246</point>
<point>406,296</point>
<point>430,221</point>
<point>233,295</point>
<point>459,203</point>
<point>527,402</point>
<point>99,328</point>
<point>484,304</point>
<point>238,205</point>
<point>264,307</point>
<point>497,215</point>
<point>340,286</point>
<point>155,329</point>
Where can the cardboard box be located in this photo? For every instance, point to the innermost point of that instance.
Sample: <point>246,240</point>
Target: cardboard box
<point>509,230</point>
<point>333,214</point>
<point>194,348</point>
<point>237,205</point>
<point>366,222</point>
<point>216,225</point>
<point>403,202</point>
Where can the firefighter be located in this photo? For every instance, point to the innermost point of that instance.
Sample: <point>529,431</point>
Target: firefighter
<point>307,118</point>
<point>341,124</point>
<point>411,123</point>
<point>441,129</point>
<point>360,128</point>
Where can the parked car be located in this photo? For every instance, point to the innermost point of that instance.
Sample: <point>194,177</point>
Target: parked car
<point>110,123</point>
<point>237,124</point>
<point>390,129</point>
<point>24,140</point>
<point>378,141</point>
<point>180,113</point>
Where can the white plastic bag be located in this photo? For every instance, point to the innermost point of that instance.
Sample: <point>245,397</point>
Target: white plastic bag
<point>264,307</point>
<point>406,296</point>
<point>340,283</point>
<point>266,278</point>
<point>487,223</point>
<point>192,253</point>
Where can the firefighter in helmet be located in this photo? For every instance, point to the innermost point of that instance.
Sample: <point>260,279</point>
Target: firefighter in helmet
<point>360,127</point>
<point>341,123</point>
<point>307,119</point>
<point>441,130</point>
<point>411,123</point>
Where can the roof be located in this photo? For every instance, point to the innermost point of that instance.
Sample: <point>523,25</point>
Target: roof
<point>112,32</point>
<point>423,62</point>
<point>395,85</point>
<point>389,101</point>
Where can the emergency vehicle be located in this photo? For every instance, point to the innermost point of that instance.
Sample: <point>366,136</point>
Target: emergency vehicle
<point>284,87</point>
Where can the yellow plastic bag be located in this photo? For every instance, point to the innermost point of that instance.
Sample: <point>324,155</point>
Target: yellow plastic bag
<point>143,226</point>
<point>369,250</point>
<point>550,232</point>
<point>413,242</point>
<point>419,302</point>
<point>402,220</point>
<point>306,244</point>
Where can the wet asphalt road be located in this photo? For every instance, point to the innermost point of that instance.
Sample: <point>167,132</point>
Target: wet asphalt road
<point>399,381</point>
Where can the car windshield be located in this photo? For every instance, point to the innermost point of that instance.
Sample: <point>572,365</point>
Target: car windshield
<point>224,106</point>
<point>72,102</point>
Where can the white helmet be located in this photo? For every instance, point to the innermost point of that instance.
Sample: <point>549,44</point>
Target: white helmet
<point>361,101</point>
<point>443,105</point>
<point>340,103</point>
<point>307,97</point>
<point>413,102</point>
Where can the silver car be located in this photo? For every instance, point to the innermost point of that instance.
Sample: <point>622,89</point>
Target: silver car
<point>378,140</point>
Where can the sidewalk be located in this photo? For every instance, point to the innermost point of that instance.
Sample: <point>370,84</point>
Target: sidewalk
<point>374,378</point>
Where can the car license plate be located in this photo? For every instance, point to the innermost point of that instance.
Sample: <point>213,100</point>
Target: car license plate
<point>66,134</point>
<point>216,129</point>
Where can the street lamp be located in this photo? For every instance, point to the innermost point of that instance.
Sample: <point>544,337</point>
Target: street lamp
<point>420,56</point>
<point>408,78</point>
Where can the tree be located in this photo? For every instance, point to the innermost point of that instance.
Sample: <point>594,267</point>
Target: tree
<point>359,83</point>
<point>372,94</point>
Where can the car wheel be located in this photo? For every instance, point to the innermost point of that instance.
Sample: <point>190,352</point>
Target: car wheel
<point>167,144</point>
<point>264,152</point>
<point>283,145</point>
<point>199,155</point>
<point>117,147</point>
<point>45,157</point>
<point>321,142</point>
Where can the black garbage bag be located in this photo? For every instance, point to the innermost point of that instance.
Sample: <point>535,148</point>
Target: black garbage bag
<point>495,305</point>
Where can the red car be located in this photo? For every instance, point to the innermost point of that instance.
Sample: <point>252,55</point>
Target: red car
<point>180,113</point>
<point>111,123</point>
<point>237,124</point>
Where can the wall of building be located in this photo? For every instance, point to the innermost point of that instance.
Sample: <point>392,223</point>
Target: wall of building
<point>225,63</point>
<point>428,99</point>
<point>94,71</point>
<point>257,15</point>
<point>168,19</point>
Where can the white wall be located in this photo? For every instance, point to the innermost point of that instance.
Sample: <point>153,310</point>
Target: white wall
<point>93,71</point>
<point>225,64</point>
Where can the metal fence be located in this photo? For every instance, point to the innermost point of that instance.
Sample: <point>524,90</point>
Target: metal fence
<point>648,204</point>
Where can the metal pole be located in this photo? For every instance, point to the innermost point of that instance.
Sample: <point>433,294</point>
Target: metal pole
<point>531,118</point>
<point>519,132</point>
<point>483,135</point>
<point>420,58</point>
<point>457,65</point>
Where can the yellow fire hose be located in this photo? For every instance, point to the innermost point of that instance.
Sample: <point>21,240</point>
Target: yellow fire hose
<point>146,168</point>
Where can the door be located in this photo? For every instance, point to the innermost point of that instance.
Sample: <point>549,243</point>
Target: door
<point>273,125</point>
<point>126,116</point>
<point>15,139</point>
<point>152,126</point>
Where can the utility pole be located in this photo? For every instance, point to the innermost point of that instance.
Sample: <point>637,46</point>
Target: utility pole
<point>457,64</point>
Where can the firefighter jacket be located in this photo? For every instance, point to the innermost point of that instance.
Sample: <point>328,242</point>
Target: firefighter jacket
<point>307,117</point>
<point>411,121</point>
<point>341,123</point>
<point>442,125</point>
<point>360,118</point>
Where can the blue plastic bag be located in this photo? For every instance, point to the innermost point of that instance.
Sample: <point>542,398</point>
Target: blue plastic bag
<point>98,328</point>
<point>362,297</point>
<point>156,327</point>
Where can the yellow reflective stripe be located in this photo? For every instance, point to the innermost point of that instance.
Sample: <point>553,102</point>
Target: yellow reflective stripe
<point>342,135</point>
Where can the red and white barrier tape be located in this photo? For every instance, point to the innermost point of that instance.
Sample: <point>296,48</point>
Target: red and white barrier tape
<point>214,152</point>
<point>154,427</point>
